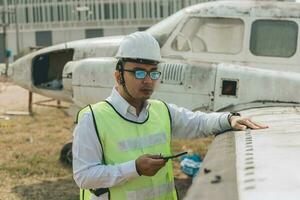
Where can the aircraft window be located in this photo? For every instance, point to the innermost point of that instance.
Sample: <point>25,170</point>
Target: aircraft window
<point>211,35</point>
<point>181,43</point>
<point>163,29</point>
<point>274,38</point>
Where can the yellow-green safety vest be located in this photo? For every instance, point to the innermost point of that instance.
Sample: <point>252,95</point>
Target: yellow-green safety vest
<point>123,140</point>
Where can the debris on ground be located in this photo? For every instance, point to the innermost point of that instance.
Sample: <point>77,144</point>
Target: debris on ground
<point>190,164</point>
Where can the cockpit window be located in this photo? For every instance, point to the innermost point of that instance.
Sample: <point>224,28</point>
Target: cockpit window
<point>211,35</point>
<point>275,38</point>
<point>163,29</point>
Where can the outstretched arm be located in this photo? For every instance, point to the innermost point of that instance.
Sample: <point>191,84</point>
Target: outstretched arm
<point>188,124</point>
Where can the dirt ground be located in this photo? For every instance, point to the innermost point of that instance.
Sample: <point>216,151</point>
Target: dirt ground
<point>30,146</point>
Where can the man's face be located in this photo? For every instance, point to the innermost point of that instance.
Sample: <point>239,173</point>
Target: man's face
<point>140,89</point>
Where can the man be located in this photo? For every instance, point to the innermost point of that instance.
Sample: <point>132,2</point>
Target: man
<point>118,142</point>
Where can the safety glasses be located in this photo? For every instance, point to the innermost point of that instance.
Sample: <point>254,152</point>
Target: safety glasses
<point>141,74</point>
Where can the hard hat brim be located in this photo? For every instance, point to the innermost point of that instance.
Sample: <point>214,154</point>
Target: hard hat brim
<point>142,61</point>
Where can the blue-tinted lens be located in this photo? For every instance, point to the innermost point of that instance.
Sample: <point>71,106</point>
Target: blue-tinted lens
<point>154,75</point>
<point>140,74</point>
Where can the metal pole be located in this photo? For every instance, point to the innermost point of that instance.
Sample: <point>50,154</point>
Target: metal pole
<point>4,36</point>
<point>5,42</point>
<point>17,27</point>
<point>58,104</point>
<point>30,102</point>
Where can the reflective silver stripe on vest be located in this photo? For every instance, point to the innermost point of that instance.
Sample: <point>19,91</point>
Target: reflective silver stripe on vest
<point>150,193</point>
<point>142,142</point>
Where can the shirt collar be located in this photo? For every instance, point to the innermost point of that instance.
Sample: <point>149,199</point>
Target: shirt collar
<point>121,105</point>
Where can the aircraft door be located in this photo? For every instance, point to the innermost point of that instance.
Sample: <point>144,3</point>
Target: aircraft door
<point>47,69</point>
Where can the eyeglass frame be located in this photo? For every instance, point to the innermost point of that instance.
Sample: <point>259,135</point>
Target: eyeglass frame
<point>148,73</point>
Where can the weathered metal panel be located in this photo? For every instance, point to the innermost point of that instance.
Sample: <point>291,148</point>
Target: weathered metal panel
<point>275,156</point>
<point>254,164</point>
<point>186,85</point>
<point>255,85</point>
<point>95,47</point>
<point>92,79</point>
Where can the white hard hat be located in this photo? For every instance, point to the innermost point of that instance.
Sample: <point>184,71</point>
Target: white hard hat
<point>140,46</point>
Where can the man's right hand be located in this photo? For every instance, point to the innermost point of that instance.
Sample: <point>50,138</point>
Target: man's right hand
<point>149,165</point>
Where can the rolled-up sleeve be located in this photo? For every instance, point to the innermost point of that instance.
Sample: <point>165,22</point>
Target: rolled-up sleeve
<point>88,168</point>
<point>188,124</point>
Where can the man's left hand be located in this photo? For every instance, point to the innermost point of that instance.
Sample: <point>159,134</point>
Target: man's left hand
<point>242,123</point>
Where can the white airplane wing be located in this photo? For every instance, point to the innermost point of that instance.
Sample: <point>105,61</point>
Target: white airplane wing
<point>254,164</point>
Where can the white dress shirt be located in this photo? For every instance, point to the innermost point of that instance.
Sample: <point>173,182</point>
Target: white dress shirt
<point>88,170</point>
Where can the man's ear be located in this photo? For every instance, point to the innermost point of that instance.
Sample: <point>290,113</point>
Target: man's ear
<point>118,77</point>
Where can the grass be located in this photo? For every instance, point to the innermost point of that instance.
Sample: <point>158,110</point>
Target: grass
<point>30,148</point>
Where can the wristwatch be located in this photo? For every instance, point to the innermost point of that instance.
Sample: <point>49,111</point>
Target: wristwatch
<point>232,114</point>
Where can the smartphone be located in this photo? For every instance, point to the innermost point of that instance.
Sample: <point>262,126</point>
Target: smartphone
<point>166,158</point>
